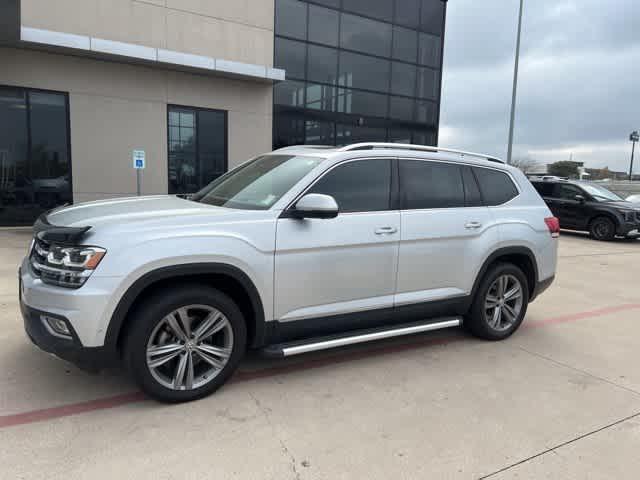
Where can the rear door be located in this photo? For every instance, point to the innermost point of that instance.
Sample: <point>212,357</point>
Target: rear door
<point>446,231</point>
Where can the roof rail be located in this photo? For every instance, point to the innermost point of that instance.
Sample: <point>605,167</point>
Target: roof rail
<point>422,148</point>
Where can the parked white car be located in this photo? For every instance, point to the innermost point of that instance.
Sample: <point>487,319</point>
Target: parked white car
<point>302,249</point>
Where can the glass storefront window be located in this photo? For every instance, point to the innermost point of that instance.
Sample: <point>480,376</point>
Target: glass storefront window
<point>35,160</point>
<point>197,148</point>
<point>363,68</point>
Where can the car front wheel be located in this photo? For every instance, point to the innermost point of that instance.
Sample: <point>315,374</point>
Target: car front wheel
<point>185,343</point>
<point>602,228</point>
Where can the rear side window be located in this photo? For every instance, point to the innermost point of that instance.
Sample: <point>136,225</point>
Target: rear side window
<point>430,185</point>
<point>472,195</point>
<point>360,186</point>
<point>496,187</point>
<point>544,189</point>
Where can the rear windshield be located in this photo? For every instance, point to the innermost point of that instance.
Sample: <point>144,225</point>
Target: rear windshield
<point>257,184</point>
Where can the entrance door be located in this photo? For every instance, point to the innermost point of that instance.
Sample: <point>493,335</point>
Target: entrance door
<point>35,160</point>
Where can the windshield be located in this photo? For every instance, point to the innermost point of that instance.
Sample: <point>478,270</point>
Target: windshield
<point>257,184</point>
<point>601,194</point>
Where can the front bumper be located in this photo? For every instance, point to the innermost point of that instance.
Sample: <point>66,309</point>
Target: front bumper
<point>70,349</point>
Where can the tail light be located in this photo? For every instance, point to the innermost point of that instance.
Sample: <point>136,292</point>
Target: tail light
<point>553,224</point>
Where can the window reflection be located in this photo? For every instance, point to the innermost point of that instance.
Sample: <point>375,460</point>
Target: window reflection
<point>35,164</point>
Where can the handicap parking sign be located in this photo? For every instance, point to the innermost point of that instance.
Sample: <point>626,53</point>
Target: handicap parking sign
<point>138,159</point>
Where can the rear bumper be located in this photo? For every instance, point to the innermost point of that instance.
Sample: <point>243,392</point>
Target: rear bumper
<point>541,287</point>
<point>69,349</point>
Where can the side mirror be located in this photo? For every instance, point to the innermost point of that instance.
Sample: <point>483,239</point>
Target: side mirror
<point>315,205</point>
<point>580,198</point>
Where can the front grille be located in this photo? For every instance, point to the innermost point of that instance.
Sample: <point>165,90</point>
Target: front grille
<point>39,255</point>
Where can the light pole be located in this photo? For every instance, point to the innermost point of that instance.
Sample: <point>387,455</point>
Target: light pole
<point>634,138</point>
<point>515,84</point>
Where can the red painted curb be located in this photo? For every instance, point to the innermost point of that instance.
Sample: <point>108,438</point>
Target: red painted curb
<point>244,376</point>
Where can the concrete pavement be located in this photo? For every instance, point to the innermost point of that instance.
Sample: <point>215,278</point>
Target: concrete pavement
<point>560,399</point>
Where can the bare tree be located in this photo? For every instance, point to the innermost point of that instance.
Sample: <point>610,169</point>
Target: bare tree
<point>525,164</point>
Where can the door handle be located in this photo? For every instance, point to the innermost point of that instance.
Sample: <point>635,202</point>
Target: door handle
<point>473,225</point>
<point>386,231</point>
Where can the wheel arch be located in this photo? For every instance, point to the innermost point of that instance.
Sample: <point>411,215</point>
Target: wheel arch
<point>227,278</point>
<point>522,257</point>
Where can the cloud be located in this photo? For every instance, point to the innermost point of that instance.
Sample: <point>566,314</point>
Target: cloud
<point>578,85</point>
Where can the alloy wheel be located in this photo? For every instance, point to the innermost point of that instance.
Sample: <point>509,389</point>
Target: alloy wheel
<point>189,347</point>
<point>503,302</point>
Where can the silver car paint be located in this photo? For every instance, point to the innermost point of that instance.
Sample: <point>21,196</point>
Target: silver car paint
<point>301,268</point>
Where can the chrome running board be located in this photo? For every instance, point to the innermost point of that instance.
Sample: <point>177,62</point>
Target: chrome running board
<point>358,336</point>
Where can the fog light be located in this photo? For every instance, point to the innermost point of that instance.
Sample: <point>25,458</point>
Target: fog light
<point>56,326</point>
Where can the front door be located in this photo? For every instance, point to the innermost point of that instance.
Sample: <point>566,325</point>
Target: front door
<point>568,209</point>
<point>331,274</point>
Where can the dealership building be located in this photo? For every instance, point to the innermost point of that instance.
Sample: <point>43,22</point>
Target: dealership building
<point>191,88</point>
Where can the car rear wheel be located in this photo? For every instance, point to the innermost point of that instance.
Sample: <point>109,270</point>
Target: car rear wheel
<point>500,303</point>
<point>602,228</point>
<point>185,343</point>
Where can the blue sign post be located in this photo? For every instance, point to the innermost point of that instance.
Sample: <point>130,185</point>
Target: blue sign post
<point>139,163</point>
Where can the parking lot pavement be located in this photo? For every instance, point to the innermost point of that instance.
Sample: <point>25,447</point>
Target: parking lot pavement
<point>560,399</point>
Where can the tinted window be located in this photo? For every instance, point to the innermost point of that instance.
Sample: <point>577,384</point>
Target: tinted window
<point>289,93</point>
<point>321,97</point>
<point>362,34</point>
<point>428,83</point>
<point>408,13</point>
<point>382,9</point>
<point>35,160</point>
<point>197,148</point>
<point>429,50</point>
<point>403,79</point>
<point>544,189</point>
<point>405,44</point>
<point>323,25</point>
<point>323,64</point>
<point>346,134</point>
<point>360,71</point>
<point>361,186</point>
<point>291,56</point>
<point>362,103</point>
<point>567,192</point>
<point>291,18</point>
<point>427,112</point>
<point>471,191</point>
<point>319,133</point>
<point>496,187</point>
<point>432,16</point>
<point>430,185</point>
<point>401,108</point>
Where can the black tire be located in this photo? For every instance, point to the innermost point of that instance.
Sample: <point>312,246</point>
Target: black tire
<point>603,229</point>
<point>152,311</point>
<point>476,320</point>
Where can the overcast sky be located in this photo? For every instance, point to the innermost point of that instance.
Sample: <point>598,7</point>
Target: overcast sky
<point>579,87</point>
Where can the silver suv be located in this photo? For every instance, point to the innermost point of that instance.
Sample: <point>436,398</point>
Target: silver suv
<point>303,249</point>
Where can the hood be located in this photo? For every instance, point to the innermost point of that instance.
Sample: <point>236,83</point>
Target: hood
<point>129,210</point>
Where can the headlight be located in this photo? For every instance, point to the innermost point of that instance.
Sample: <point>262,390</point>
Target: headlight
<point>65,266</point>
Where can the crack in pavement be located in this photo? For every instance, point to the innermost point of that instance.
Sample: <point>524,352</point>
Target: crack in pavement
<point>283,446</point>
<point>563,444</point>
<point>579,370</point>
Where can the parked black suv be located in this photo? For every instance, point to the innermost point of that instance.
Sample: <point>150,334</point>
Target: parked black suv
<point>590,207</point>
